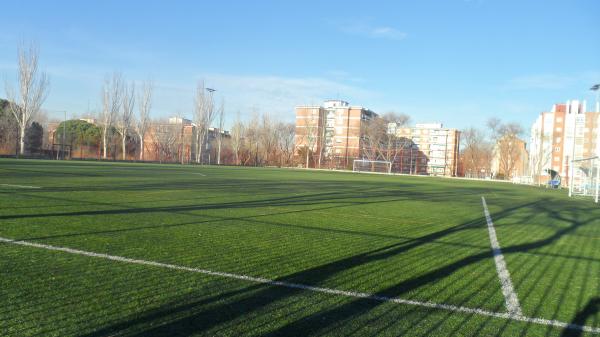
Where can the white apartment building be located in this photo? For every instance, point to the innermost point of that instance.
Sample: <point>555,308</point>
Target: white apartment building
<point>438,147</point>
<point>565,133</point>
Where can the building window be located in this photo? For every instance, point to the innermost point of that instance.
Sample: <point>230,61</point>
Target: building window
<point>557,149</point>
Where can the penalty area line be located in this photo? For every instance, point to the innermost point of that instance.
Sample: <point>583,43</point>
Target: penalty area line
<point>20,186</point>
<point>510,296</point>
<point>346,293</point>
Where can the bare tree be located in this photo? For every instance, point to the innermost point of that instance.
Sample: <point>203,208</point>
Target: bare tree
<point>144,105</point>
<point>204,116</point>
<point>252,140</point>
<point>111,104</point>
<point>310,135</point>
<point>166,140</point>
<point>285,142</point>
<point>125,120</point>
<point>199,118</point>
<point>508,146</point>
<point>477,153</point>
<point>374,132</point>
<point>268,138</point>
<point>390,144</point>
<point>33,90</point>
<point>220,132</point>
<point>237,138</point>
<point>399,118</point>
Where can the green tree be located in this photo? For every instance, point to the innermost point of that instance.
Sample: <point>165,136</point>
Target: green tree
<point>8,127</point>
<point>77,132</point>
<point>34,137</point>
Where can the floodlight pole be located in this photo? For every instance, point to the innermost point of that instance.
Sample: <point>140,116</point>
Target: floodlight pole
<point>210,93</point>
<point>571,168</point>
<point>62,143</point>
<point>596,88</point>
<point>597,179</point>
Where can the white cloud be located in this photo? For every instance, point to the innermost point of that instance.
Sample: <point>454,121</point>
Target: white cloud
<point>276,95</point>
<point>387,33</point>
<point>372,31</point>
<point>551,81</point>
<point>544,81</point>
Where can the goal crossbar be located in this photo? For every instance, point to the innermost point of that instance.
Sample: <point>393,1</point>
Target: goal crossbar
<point>365,165</point>
<point>585,177</point>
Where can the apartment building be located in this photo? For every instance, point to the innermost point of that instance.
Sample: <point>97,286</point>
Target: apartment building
<point>333,132</point>
<point>565,133</point>
<point>170,141</point>
<point>434,150</point>
<point>510,159</point>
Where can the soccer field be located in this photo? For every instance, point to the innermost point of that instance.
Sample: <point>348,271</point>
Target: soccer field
<point>103,249</point>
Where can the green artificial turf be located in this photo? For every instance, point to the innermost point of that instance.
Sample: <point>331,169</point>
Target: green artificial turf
<point>417,238</point>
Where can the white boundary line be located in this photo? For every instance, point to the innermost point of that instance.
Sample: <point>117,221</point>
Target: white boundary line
<point>510,296</point>
<point>346,293</point>
<point>19,186</point>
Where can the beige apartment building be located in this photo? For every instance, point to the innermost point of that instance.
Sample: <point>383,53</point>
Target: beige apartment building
<point>510,159</point>
<point>434,150</point>
<point>565,133</point>
<point>333,132</point>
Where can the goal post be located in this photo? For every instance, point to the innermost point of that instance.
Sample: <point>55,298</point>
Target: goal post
<point>585,178</point>
<point>378,166</point>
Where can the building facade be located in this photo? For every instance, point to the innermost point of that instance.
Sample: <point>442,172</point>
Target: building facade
<point>333,133</point>
<point>433,149</point>
<point>565,133</point>
<point>510,159</point>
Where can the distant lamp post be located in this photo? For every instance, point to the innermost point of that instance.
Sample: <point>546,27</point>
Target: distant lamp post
<point>210,92</point>
<point>596,88</point>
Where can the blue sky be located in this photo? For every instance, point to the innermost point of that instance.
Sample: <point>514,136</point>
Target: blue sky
<point>456,62</point>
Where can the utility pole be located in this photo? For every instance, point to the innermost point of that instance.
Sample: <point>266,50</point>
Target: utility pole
<point>596,88</point>
<point>62,145</point>
<point>210,95</point>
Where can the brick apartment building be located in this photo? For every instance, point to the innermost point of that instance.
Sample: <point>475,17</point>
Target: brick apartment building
<point>433,149</point>
<point>170,141</point>
<point>565,133</point>
<point>333,132</point>
<point>511,166</point>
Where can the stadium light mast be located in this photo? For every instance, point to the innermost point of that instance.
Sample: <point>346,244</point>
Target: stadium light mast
<point>210,94</point>
<point>596,88</point>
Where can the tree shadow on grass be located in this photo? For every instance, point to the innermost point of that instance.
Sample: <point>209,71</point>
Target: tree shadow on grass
<point>203,319</point>
<point>590,310</point>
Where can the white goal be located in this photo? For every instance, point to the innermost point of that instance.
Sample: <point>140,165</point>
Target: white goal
<point>585,179</point>
<point>379,166</point>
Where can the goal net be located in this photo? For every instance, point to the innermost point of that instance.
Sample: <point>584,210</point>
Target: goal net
<point>364,165</point>
<point>585,178</point>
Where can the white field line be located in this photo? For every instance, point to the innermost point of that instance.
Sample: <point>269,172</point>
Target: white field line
<point>510,296</point>
<point>19,186</point>
<point>346,293</point>
<point>200,174</point>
